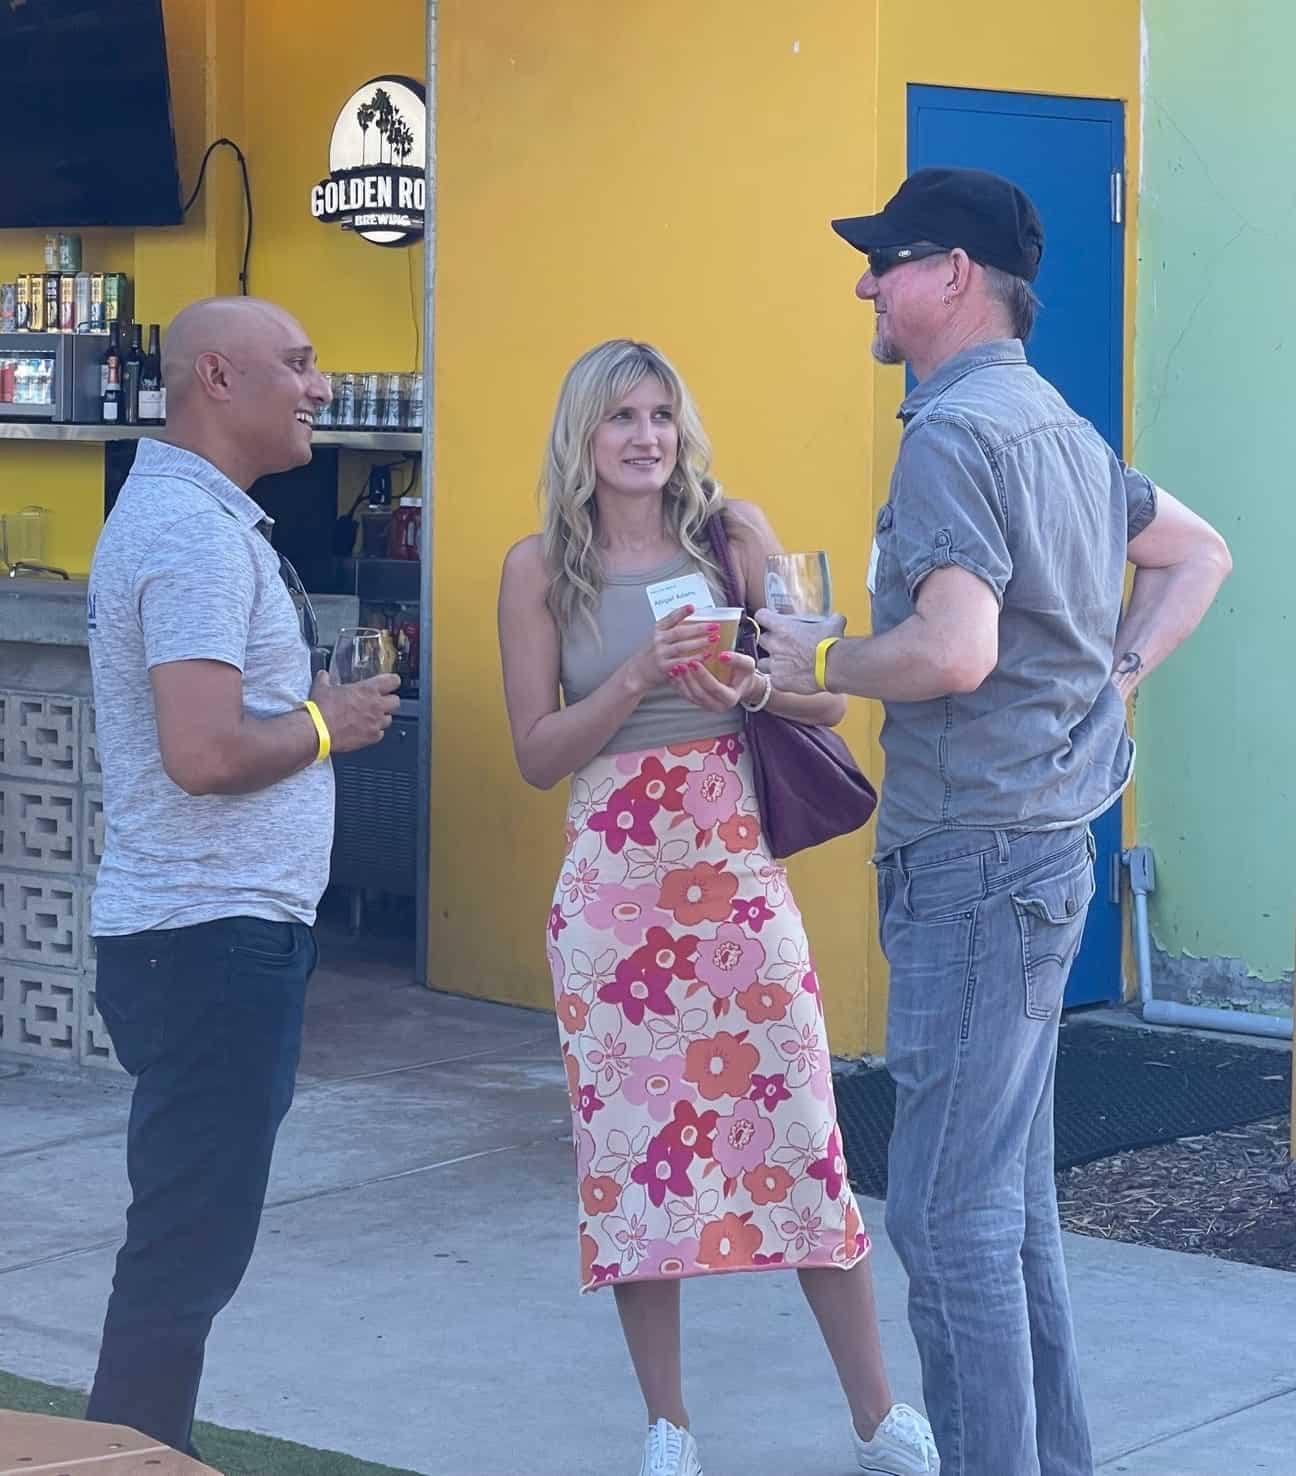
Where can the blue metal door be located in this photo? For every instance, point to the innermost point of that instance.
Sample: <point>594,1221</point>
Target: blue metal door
<point>1068,154</point>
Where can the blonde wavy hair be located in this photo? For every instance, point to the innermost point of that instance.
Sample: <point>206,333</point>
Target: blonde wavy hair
<point>600,378</point>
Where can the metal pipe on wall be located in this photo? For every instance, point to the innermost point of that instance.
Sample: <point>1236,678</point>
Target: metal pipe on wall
<point>428,521</point>
<point>1142,877</point>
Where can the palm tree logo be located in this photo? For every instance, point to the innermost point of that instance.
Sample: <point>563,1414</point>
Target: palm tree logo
<point>394,134</point>
<point>364,117</point>
<point>401,138</point>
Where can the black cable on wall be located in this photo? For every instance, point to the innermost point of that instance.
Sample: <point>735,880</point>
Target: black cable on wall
<point>247,199</point>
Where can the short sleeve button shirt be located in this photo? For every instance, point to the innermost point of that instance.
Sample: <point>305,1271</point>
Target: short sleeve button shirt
<point>997,475</point>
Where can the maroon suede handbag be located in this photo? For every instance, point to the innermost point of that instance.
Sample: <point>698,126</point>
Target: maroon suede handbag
<point>808,786</point>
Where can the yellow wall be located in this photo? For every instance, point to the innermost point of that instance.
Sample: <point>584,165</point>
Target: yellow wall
<point>668,172</point>
<point>663,172</point>
<point>271,77</point>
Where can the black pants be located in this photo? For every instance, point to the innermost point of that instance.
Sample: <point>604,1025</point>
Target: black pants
<point>208,1019</point>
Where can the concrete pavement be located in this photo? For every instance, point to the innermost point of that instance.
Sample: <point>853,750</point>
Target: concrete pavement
<point>412,1299</point>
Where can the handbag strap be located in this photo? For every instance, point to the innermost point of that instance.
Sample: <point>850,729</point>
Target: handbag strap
<point>722,550</point>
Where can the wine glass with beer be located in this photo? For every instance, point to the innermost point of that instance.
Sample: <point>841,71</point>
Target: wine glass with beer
<point>361,652</point>
<point>799,584</point>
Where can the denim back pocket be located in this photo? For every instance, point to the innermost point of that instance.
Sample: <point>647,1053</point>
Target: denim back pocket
<point>1050,917</point>
<point>135,976</point>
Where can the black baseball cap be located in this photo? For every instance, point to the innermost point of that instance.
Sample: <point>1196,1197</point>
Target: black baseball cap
<point>985,214</point>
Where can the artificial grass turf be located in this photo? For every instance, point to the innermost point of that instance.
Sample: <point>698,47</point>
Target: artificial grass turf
<point>233,1452</point>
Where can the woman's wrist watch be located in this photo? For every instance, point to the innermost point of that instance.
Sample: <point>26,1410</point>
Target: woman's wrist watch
<point>764,697</point>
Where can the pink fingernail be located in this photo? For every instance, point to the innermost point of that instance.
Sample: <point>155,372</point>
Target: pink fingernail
<point>693,665</point>
<point>724,656</point>
<point>674,671</point>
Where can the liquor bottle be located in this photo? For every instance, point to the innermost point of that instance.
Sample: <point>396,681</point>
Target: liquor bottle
<point>132,365</point>
<point>112,393</point>
<point>152,403</point>
<point>111,355</point>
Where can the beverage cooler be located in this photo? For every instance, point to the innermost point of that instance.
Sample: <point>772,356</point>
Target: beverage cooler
<point>52,377</point>
<point>375,844</point>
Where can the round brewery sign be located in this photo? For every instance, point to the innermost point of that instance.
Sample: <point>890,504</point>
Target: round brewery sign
<point>376,184</point>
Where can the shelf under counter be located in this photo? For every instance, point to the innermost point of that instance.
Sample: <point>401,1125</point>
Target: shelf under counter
<point>350,440</point>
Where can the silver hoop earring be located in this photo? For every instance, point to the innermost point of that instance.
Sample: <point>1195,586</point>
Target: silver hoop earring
<point>946,299</point>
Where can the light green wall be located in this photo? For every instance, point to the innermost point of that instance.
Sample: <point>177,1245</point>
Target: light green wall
<point>1215,422</point>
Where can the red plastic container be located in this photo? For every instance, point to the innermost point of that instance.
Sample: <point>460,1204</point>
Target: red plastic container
<point>406,528</point>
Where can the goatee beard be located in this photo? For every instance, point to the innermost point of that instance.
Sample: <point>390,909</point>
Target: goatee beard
<point>885,352</point>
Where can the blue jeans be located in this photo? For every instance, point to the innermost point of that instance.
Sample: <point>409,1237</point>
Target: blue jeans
<point>208,1019</point>
<point>980,928</point>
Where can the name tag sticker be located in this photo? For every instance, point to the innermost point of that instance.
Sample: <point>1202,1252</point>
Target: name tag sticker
<point>670,594</point>
<point>873,568</point>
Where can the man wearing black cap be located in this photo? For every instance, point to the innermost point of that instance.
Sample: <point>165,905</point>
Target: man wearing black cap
<point>1003,658</point>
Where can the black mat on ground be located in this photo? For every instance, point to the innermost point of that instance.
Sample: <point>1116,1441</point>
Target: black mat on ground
<point>1117,1087</point>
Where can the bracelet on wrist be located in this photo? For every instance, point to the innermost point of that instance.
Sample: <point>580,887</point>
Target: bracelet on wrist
<point>325,742</point>
<point>821,662</point>
<point>763,700</point>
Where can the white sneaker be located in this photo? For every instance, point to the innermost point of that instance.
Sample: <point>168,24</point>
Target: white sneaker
<point>902,1445</point>
<point>670,1451</point>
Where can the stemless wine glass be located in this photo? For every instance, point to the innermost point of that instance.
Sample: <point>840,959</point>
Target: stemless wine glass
<point>799,584</point>
<point>362,651</point>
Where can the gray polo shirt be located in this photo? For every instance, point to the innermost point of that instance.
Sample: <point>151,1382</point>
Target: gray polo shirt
<point>181,573</point>
<point>998,475</point>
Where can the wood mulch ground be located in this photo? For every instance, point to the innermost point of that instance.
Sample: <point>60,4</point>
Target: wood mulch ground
<point>1230,1194</point>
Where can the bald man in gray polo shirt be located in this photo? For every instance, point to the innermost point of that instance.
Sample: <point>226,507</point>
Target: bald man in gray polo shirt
<point>218,800</point>
<point>1003,658</point>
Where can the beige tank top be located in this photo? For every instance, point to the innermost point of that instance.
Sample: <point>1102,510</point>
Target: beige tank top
<point>625,622</point>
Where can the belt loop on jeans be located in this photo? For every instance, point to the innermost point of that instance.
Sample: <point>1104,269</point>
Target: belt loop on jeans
<point>1001,840</point>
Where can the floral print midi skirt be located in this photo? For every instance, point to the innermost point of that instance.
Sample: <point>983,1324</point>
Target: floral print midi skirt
<point>692,1029</point>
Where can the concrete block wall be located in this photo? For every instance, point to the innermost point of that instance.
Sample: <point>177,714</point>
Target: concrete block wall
<point>51,839</point>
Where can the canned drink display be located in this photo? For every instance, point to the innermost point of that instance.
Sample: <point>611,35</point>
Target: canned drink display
<point>370,407</point>
<point>414,421</point>
<point>116,307</point>
<point>324,415</point>
<point>69,253</point>
<point>344,388</point>
<point>81,311</point>
<point>30,381</point>
<point>395,400</point>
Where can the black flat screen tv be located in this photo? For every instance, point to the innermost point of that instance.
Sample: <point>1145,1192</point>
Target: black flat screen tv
<point>87,137</point>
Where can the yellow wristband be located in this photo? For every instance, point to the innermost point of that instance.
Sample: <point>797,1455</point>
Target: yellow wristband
<point>321,727</point>
<point>821,661</point>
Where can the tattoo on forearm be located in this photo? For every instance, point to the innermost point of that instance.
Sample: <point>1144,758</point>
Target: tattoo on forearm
<point>1130,664</point>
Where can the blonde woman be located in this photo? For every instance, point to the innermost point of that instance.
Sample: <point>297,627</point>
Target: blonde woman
<point>688,1008</point>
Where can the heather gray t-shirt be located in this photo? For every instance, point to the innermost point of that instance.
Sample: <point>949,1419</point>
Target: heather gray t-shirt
<point>624,619</point>
<point>998,475</point>
<point>181,573</point>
